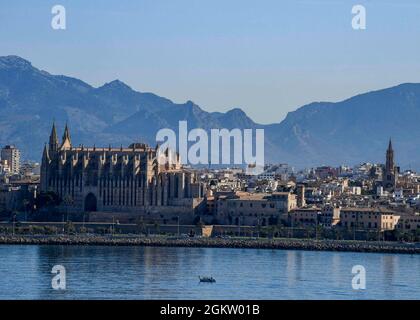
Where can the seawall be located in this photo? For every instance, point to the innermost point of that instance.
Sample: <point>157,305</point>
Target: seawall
<point>285,244</point>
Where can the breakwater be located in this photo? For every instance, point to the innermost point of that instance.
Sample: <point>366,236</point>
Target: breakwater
<point>286,244</point>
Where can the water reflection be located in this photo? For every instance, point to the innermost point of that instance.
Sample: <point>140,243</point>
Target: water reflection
<point>335,270</point>
<point>295,272</point>
<point>172,273</point>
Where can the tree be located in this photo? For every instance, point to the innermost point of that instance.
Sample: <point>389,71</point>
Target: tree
<point>70,227</point>
<point>26,204</point>
<point>270,231</point>
<point>140,225</point>
<point>198,222</point>
<point>68,201</point>
<point>47,199</point>
<point>319,231</point>
<point>157,226</point>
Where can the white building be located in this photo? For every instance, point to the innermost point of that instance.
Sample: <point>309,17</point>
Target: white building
<point>399,194</point>
<point>12,155</point>
<point>266,176</point>
<point>4,167</point>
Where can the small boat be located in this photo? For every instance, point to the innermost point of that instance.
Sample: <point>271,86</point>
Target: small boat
<point>207,279</point>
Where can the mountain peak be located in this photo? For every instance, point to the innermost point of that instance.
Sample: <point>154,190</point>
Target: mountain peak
<point>116,84</point>
<point>14,62</point>
<point>236,112</point>
<point>190,103</point>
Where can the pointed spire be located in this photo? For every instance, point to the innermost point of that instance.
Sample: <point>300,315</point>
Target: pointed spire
<point>53,130</point>
<point>66,133</point>
<point>45,154</point>
<point>390,176</point>
<point>53,146</point>
<point>390,144</point>
<point>66,144</point>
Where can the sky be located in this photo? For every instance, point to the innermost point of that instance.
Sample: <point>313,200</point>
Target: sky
<point>267,57</point>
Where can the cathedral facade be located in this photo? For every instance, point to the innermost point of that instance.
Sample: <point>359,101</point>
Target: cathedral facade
<point>122,183</point>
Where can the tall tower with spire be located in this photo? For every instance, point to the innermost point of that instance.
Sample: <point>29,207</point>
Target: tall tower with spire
<point>50,151</point>
<point>66,142</point>
<point>391,173</point>
<point>53,144</point>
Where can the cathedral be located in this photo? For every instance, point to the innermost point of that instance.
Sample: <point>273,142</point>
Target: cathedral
<point>121,183</point>
<point>391,171</point>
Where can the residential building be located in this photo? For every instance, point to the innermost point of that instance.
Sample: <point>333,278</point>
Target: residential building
<point>12,155</point>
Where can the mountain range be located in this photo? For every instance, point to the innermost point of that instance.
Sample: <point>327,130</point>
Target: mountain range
<point>321,133</point>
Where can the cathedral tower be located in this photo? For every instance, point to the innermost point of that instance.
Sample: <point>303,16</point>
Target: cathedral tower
<point>53,145</point>
<point>66,142</point>
<point>391,173</point>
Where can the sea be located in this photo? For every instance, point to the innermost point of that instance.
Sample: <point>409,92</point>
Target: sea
<point>130,272</point>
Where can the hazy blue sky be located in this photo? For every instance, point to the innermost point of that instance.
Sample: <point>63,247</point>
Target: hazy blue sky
<point>267,57</point>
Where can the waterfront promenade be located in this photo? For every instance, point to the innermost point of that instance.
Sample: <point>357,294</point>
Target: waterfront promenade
<point>244,243</point>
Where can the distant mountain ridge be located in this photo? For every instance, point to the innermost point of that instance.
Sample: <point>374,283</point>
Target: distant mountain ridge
<point>348,132</point>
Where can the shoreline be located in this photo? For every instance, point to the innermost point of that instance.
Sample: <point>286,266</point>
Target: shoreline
<point>274,244</point>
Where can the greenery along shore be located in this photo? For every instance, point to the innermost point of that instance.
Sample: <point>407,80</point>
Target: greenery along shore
<point>251,243</point>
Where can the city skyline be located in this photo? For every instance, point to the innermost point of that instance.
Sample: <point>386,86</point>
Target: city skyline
<point>199,153</point>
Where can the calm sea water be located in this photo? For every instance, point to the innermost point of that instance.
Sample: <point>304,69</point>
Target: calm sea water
<point>172,273</point>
